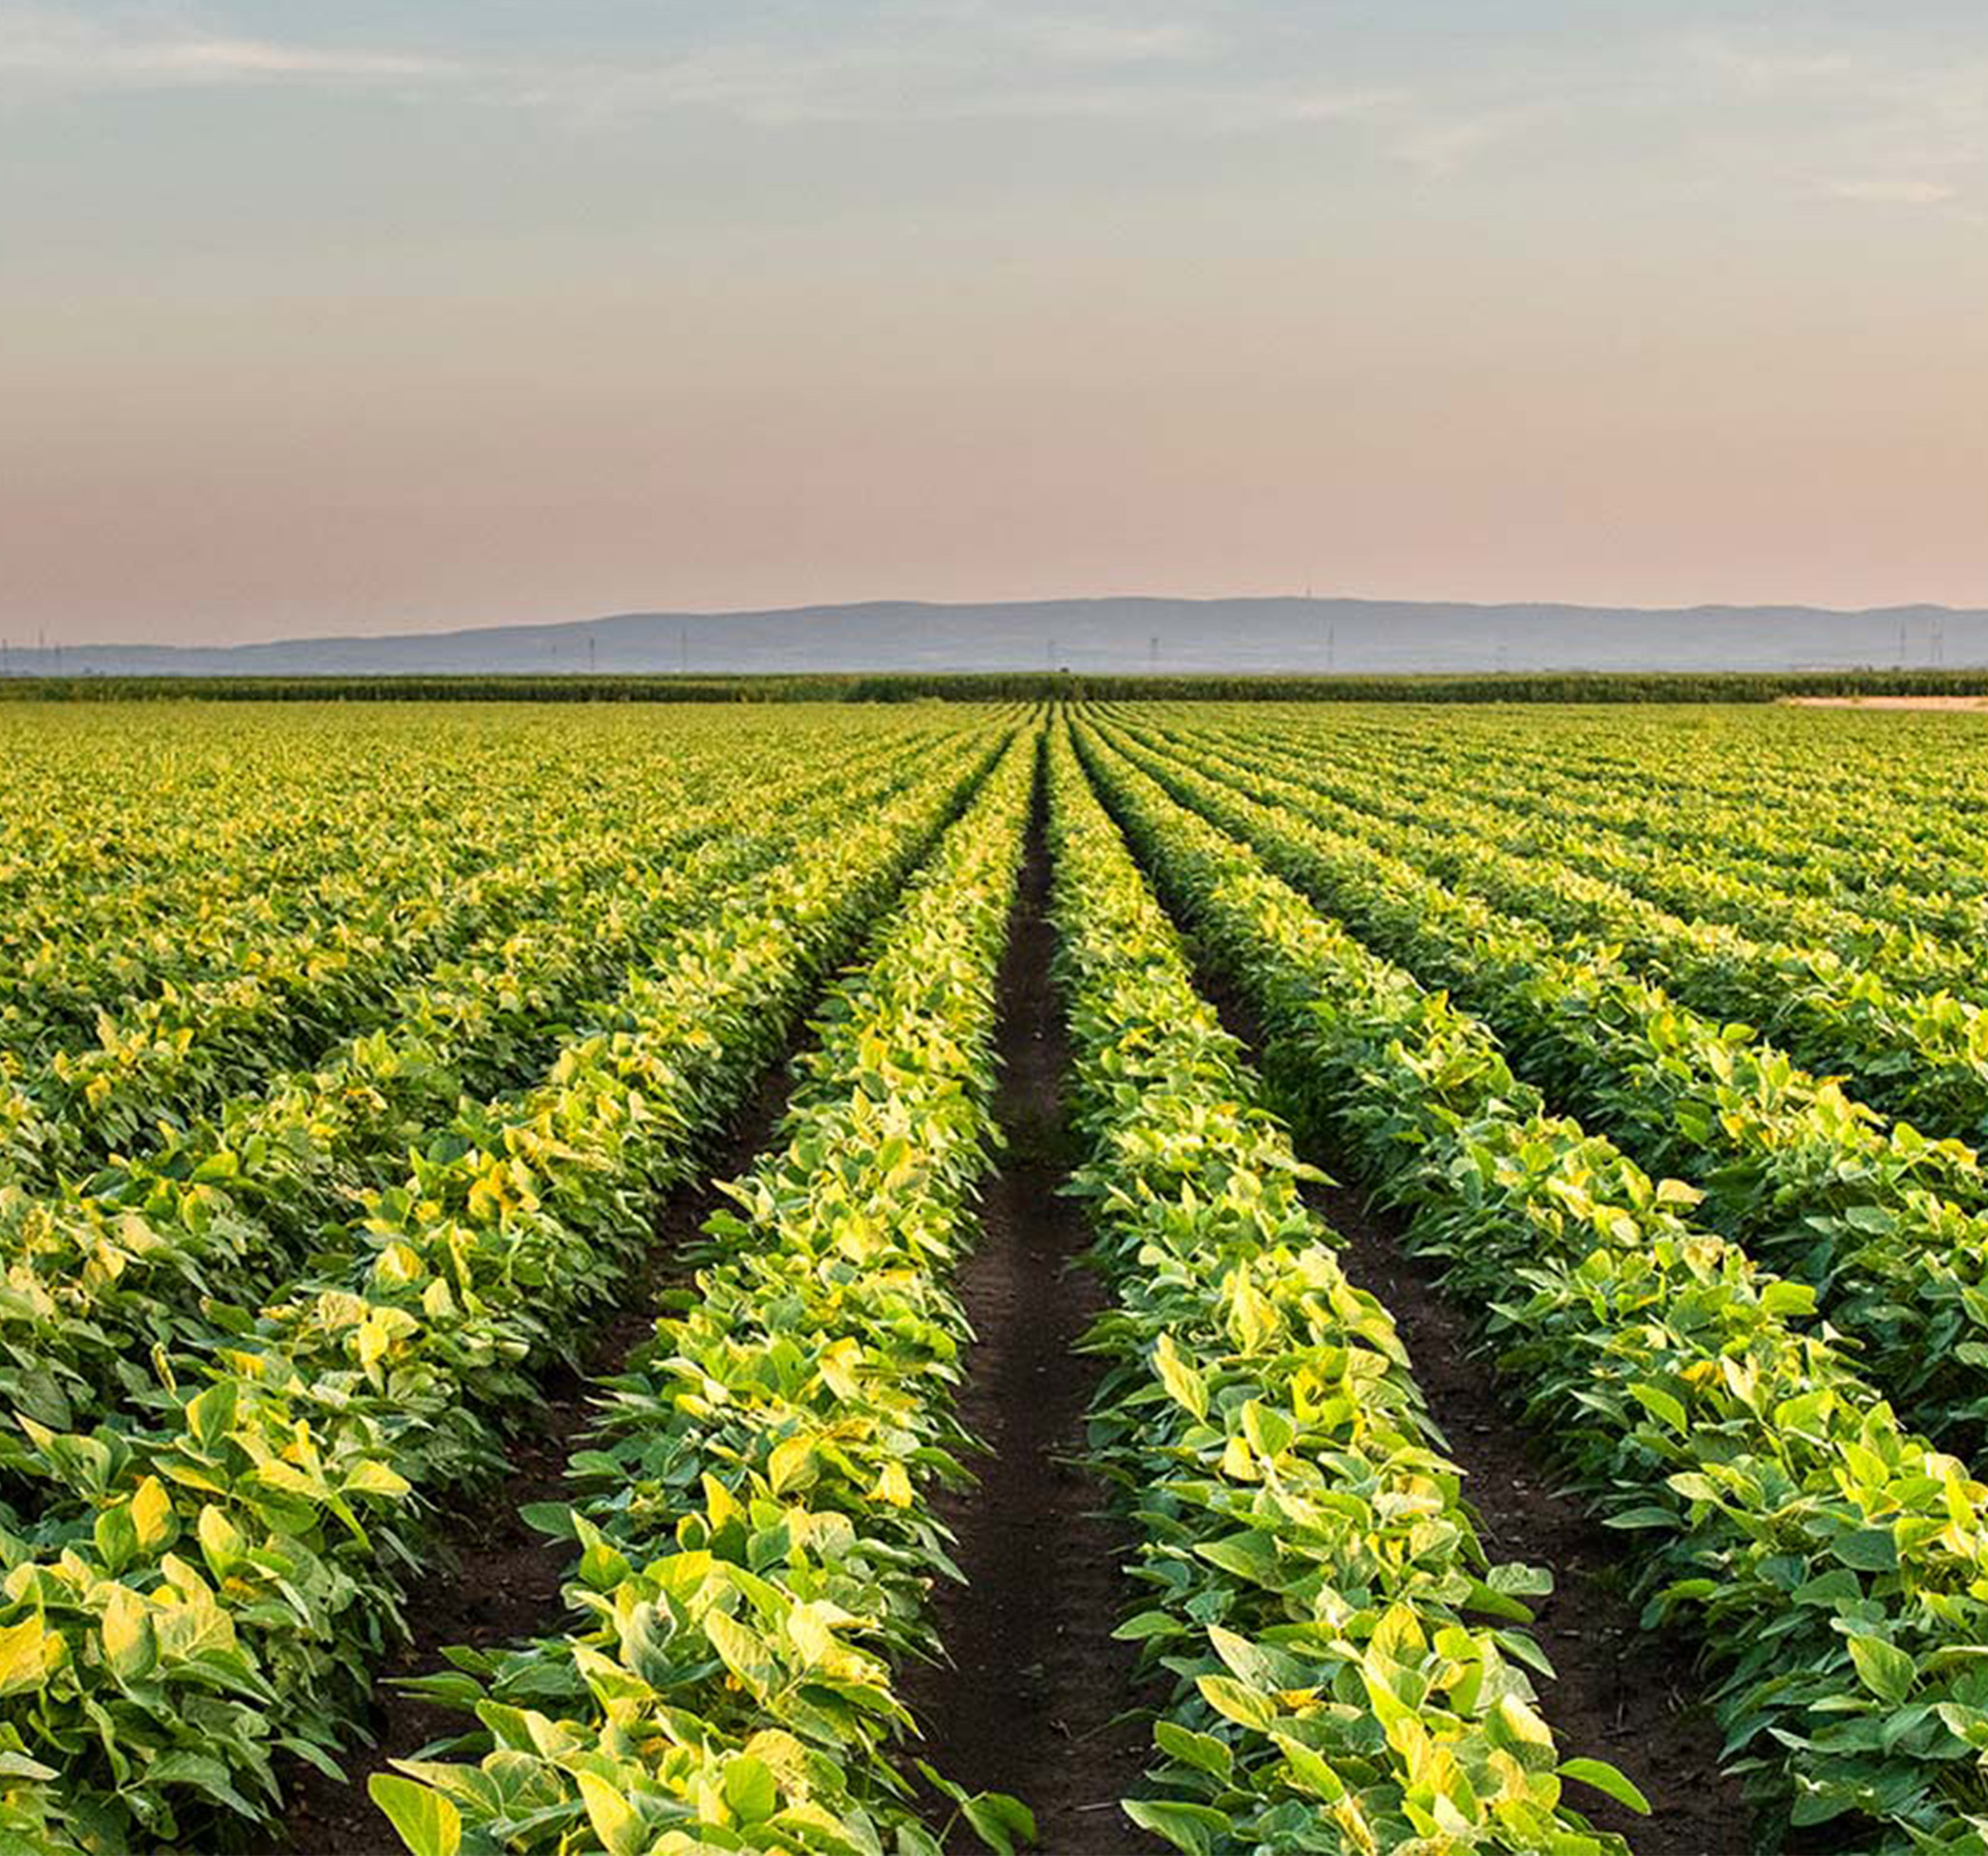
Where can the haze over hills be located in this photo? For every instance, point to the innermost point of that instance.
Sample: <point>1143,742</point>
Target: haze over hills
<point>1233,636</point>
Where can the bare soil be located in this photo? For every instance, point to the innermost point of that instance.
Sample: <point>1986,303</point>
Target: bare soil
<point>502,1580</point>
<point>1031,1701</point>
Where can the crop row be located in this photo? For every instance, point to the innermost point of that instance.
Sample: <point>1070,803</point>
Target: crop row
<point>215,1584</point>
<point>1855,789</point>
<point>228,1212</point>
<point>1786,830</point>
<point>1831,1567</point>
<point>1922,1056</point>
<point>1348,1669</point>
<point>259,873</point>
<point>1805,1177</point>
<point>181,1046</point>
<point>754,1507</point>
<point>1702,882</point>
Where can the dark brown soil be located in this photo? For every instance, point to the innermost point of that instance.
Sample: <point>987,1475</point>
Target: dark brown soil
<point>501,1580</point>
<point>1030,1703</point>
<point>1618,1696</point>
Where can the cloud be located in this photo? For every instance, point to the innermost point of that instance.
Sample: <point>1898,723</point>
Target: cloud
<point>1440,146</point>
<point>59,51</point>
<point>1771,71</point>
<point>1874,120</point>
<point>1103,41</point>
<point>1881,193</point>
<point>885,57</point>
<point>881,61</point>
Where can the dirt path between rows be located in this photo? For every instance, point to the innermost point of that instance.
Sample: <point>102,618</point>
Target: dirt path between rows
<point>1029,1703</point>
<point>1619,1694</point>
<point>503,1579</point>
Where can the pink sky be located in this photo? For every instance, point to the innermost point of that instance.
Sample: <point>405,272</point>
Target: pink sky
<point>333,341</point>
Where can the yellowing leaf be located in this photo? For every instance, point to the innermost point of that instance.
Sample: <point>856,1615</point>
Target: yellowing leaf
<point>428,1822</point>
<point>152,1515</point>
<point>1183,1384</point>
<point>22,1657</point>
<point>792,1466</point>
<point>130,1644</point>
<point>616,1821</point>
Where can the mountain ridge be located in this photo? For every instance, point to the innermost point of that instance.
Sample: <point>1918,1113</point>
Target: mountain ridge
<point>1116,633</point>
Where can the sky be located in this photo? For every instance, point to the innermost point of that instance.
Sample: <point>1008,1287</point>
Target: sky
<point>457,312</point>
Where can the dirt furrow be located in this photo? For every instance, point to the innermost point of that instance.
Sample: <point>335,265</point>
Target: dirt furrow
<point>1032,1699</point>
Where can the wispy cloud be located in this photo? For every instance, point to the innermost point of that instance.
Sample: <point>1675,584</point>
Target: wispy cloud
<point>60,51</point>
<point>881,61</point>
<point>1880,120</point>
<point>1442,145</point>
<point>1769,71</point>
<point>1861,120</point>
<point>1073,41</point>
<point>1883,193</point>
<point>899,61</point>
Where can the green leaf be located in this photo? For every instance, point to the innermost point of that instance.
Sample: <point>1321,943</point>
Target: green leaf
<point>1660,1404</point>
<point>1649,1516</point>
<point>1311,1768</point>
<point>1000,1821</point>
<point>1870,1549</point>
<point>116,1537</point>
<point>552,1518</point>
<point>1605,1779</point>
<point>1886,1670</point>
<point>1192,1828</point>
<point>1788,1300</point>
<point>750,1790</point>
<point>1202,1751</point>
<point>211,1415</point>
<point>1136,1630</point>
<point>1242,1705</point>
<point>1492,1603</point>
<point>429,1823</point>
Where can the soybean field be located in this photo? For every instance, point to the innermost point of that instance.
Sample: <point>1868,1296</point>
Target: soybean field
<point>874,1280</point>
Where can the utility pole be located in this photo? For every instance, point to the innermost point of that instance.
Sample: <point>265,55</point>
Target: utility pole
<point>593,653</point>
<point>683,649</point>
<point>1332,646</point>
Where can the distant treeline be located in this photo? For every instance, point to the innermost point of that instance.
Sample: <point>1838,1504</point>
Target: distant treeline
<point>1522,686</point>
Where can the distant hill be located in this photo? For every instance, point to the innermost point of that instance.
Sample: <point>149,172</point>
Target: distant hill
<point>1100,635</point>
